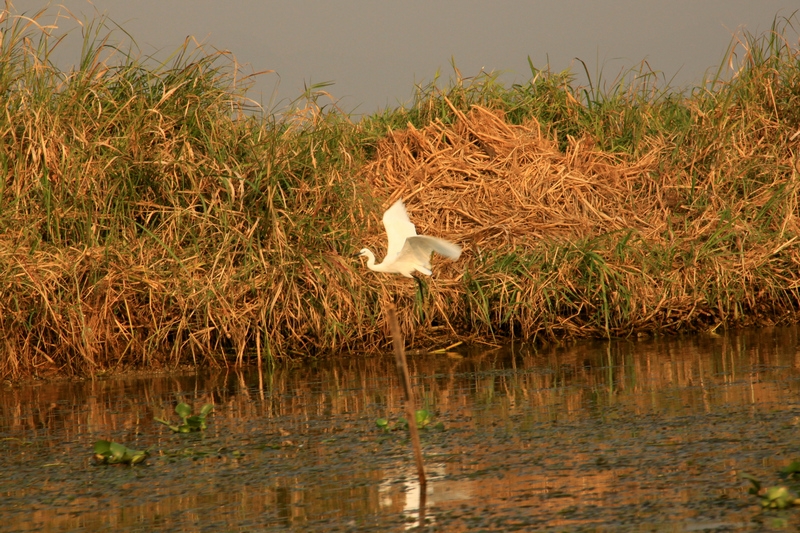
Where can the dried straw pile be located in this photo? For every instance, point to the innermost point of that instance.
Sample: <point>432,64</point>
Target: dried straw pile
<point>584,243</point>
<point>492,184</point>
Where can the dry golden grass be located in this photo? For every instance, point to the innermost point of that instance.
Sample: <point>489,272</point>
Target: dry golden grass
<point>147,219</point>
<point>493,184</point>
<point>604,243</point>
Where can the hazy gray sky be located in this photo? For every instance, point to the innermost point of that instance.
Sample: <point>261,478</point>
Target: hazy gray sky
<point>375,51</point>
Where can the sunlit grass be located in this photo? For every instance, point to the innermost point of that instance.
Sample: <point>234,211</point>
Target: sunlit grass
<point>150,215</point>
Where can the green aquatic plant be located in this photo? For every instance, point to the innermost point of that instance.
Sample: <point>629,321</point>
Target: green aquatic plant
<point>113,453</point>
<point>189,422</point>
<point>422,416</point>
<point>775,497</point>
<point>779,497</point>
<point>791,471</point>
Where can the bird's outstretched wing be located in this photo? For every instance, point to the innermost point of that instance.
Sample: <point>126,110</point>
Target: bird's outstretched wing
<point>420,247</point>
<point>398,228</point>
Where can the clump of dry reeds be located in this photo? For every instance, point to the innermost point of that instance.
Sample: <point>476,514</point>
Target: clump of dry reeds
<point>691,222</point>
<point>148,218</point>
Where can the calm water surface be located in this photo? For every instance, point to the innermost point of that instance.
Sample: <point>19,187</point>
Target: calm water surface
<point>623,436</point>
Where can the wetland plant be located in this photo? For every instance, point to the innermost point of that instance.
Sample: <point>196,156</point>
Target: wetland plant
<point>777,496</point>
<point>113,453</point>
<point>189,422</point>
<point>166,220</point>
<point>422,416</point>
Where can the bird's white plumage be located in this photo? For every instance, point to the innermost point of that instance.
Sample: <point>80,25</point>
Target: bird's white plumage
<point>398,228</point>
<point>407,251</point>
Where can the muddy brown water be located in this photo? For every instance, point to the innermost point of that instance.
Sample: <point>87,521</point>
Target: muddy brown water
<point>646,435</point>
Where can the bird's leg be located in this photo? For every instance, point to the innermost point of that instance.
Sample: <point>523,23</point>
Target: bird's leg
<point>420,287</point>
<point>420,297</point>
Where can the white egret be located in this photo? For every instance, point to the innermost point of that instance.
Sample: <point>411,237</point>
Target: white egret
<point>408,251</point>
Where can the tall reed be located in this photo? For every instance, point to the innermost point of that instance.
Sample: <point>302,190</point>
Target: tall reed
<point>151,216</point>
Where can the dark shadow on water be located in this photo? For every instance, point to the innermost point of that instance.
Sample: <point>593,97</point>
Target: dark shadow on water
<point>627,435</point>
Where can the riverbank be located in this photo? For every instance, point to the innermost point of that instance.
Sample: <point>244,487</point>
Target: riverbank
<point>150,216</point>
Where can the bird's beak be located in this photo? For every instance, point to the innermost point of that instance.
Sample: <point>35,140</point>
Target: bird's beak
<point>357,254</point>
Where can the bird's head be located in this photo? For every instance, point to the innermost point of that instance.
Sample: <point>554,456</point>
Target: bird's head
<point>366,252</point>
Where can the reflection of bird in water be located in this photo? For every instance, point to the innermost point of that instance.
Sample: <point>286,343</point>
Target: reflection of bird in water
<point>408,251</point>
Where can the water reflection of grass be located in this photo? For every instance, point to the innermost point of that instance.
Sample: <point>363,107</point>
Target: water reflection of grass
<point>150,216</point>
<point>530,386</point>
<point>549,436</point>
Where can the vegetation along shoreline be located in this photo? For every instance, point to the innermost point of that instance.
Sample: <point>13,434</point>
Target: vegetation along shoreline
<point>151,217</point>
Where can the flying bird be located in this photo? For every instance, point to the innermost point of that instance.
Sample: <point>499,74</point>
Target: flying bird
<point>408,251</point>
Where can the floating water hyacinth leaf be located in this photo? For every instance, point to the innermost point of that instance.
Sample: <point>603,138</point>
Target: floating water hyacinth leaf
<point>422,416</point>
<point>793,470</point>
<point>779,497</point>
<point>189,421</point>
<point>113,453</point>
